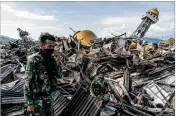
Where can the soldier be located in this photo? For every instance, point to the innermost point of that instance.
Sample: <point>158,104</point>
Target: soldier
<point>43,74</point>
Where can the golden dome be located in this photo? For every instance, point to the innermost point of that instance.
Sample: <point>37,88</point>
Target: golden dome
<point>154,11</point>
<point>85,37</point>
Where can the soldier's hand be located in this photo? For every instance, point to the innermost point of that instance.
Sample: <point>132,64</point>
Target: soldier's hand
<point>31,108</point>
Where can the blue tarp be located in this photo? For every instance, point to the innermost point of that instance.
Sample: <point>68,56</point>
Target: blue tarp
<point>151,40</point>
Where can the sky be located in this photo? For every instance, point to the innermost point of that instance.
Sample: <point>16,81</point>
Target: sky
<point>103,18</point>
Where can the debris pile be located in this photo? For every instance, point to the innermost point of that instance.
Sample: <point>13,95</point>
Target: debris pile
<point>107,83</point>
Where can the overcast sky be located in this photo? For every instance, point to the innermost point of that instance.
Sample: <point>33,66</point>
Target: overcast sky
<point>103,18</point>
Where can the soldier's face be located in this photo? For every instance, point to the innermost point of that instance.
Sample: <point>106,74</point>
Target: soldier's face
<point>48,45</point>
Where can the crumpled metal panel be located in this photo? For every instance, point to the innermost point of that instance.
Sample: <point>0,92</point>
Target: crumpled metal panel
<point>82,104</point>
<point>8,86</point>
<point>12,100</point>
<point>16,86</point>
<point>13,111</point>
<point>60,103</point>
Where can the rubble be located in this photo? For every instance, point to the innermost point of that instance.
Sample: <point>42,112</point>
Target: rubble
<point>107,83</point>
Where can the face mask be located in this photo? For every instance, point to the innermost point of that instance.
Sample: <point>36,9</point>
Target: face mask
<point>48,52</point>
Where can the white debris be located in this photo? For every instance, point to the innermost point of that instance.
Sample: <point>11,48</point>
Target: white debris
<point>152,90</point>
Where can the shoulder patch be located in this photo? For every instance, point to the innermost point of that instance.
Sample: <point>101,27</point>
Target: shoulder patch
<point>28,68</point>
<point>27,72</point>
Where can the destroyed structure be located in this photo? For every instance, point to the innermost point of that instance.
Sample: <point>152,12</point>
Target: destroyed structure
<point>148,19</point>
<point>109,81</point>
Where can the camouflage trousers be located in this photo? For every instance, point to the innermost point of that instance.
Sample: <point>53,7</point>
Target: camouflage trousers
<point>44,106</point>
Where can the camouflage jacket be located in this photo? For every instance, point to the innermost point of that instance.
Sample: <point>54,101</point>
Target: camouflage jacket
<point>38,81</point>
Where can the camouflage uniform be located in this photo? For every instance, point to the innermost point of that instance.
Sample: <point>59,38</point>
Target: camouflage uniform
<point>41,83</point>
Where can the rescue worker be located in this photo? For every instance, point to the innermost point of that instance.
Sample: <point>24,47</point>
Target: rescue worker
<point>43,74</point>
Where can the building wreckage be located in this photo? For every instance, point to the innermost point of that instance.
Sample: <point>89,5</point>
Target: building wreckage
<point>105,82</point>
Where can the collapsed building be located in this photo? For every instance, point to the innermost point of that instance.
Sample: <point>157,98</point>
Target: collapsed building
<point>104,82</point>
